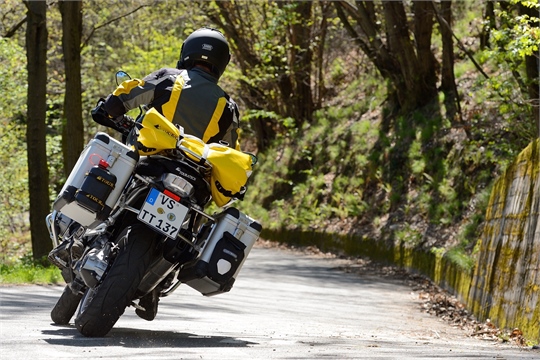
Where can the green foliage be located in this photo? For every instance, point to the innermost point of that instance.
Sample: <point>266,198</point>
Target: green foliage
<point>14,176</point>
<point>515,37</point>
<point>348,166</point>
<point>409,236</point>
<point>251,114</point>
<point>519,35</point>
<point>25,271</point>
<point>11,13</point>
<point>460,257</point>
<point>268,51</point>
<point>123,35</point>
<point>318,172</point>
<point>355,163</point>
<point>12,76</point>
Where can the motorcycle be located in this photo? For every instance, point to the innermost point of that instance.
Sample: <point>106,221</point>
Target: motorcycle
<point>129,225</point>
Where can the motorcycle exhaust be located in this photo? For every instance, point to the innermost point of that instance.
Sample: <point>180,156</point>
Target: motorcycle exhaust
<point>93,265</point>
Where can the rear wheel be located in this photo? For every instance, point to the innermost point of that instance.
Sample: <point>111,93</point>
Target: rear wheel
<point>102,306</point>
<point>65,307</point>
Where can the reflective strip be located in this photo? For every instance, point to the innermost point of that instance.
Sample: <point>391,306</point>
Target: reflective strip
<point>127,86</point>
<point>169,108</point>
<point>213,126</point>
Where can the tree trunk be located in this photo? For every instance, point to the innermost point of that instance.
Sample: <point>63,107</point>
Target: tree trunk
<point>300,59</point>
<point>319,53</point>
<point>448,81</point>
<point>423,28</point>
<point>409,65</point>
<point>38,172</point>
<point>489,16</point>
<point>288,93</point>
<point>72,130</point>
<point>414,86</point>
<point>369,39</point>
<point>232,19</point>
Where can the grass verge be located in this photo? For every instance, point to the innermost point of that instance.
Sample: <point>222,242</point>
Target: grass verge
<point>27,272</point>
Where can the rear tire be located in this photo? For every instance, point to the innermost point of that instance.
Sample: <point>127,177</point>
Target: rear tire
<point>102,306</point>
<point>65,307</point>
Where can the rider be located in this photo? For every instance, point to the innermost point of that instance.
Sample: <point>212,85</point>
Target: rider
<point>188,95</point>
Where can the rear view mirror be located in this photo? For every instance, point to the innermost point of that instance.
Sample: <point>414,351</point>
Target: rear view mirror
<point>122,76</point>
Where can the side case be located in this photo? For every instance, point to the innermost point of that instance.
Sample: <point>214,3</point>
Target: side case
<point>225,246</point>
<point>121,160</point>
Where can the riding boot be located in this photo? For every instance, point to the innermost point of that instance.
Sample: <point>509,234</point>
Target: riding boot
<point>150,304</point>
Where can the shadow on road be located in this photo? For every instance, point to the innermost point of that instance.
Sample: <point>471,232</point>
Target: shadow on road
<point>139,338</point>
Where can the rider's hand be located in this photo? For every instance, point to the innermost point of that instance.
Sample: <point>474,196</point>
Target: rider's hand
<point>122,123</point>
<point>100,115</point>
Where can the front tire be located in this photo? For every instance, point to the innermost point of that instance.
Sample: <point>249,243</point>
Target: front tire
<point>102,306</point>
<point>65,307</point>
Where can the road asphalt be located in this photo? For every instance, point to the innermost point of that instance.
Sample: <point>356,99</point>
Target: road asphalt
<point>283,305</point>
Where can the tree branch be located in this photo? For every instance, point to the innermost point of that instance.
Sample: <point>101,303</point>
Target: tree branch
<point>340,5</point>
<point>85,42</point>
<point>442,21</point>
<point>14,28</point>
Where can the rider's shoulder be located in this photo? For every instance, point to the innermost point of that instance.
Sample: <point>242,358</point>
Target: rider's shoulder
<point>164,72</point>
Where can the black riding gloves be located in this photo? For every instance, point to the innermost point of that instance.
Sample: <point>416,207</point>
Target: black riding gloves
<point>122,123</point>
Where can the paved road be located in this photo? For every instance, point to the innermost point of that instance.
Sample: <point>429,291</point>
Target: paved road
<point>283,306</point>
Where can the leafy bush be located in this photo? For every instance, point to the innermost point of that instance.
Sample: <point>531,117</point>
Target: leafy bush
<point>14,176</point>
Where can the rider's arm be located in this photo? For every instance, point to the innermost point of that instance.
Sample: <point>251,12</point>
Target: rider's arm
<point>135,92</point>
<point>128,95</point>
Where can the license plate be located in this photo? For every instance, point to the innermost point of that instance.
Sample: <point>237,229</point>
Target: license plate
<point>163,213</point>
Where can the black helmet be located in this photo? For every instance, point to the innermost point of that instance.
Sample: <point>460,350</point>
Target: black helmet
<point>205,45</point>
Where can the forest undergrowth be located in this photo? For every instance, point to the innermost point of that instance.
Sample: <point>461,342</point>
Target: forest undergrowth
<point>416,180</point>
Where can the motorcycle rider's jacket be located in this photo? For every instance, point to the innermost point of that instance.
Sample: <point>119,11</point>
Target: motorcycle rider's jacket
<point>190,98</point>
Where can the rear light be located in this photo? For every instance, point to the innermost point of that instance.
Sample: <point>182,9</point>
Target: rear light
<point>177,184</point>
<point>171,195</point>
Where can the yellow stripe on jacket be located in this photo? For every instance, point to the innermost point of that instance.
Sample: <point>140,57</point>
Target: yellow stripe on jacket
<point>170,107</point>
<point>126,86</point>
<point>213,126</point>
